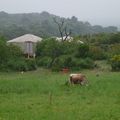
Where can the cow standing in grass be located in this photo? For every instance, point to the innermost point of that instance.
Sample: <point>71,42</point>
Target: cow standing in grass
<point>78,79</point>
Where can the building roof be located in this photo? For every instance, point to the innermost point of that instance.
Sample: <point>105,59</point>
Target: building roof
<point>26,38</point>
<point>68,38</point>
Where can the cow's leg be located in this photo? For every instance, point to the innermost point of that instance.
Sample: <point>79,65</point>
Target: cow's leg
<point>84,82</point>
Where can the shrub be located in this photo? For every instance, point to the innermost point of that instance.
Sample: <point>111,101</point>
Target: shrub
<point>86,63</point>
<point>31,64</point>
<point>17,65</point>
<point>57,65</point>
<point>82,51</point>
<point>114,49</point>
<point>14,51</point>
<point>44,61</point>
<point>97,53</point>
<point>72,63</point>
<point>115,38</point>
<point>68,62</point>
<point>64,61</point>
<point>4,53</point>
<point>115,63</point>
<point>22,64</point>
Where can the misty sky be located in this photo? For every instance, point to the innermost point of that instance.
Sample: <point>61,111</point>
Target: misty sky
<point>102,12</point>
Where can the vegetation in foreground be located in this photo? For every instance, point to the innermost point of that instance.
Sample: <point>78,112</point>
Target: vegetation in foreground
<point>56,55</point>
<point>43,95</point>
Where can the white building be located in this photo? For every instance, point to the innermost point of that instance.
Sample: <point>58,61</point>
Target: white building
<point>27,43</point>
<point>68,38</point>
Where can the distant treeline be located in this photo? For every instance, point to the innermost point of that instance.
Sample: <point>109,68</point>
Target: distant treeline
<point>42,24</point>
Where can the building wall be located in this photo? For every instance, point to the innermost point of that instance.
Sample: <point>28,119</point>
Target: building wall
<point>26,47</point>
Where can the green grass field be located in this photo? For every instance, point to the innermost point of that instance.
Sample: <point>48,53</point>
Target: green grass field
<point>43,95</point>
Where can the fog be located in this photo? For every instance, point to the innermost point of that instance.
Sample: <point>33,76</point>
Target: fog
<point>102,12</point>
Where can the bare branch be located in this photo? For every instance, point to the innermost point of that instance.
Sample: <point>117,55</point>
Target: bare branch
<point>67,34</point>
<point>62,29</point>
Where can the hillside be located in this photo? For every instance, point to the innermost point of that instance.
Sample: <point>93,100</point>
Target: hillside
<point>42,24</point>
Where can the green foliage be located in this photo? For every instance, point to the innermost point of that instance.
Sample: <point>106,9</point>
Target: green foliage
<point>44,61</point>
<point>115,38</point>
<point>57,65</point>
<point>53,48</point>
<point>114,49</point>
<point>97,53</point>
<point>64,61</point>
<point>115,63</point>
<point>101,38</point>
<point>22,64</point>
<point>14,51</point>
<point>102,46</point>
<point>43,25</point>
<point>68,62</point>
<point>57,55</point>
<point>4,53</point>
<point>11,58</point>
<point>82,51</point>
<point>31,64</point>
<point>17,65</point>
<point>86,63</point>
<point>49,47</point>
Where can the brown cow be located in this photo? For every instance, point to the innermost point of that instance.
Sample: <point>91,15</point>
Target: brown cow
<point>78,79</point>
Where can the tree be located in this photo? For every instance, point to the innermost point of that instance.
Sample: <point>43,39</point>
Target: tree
<point>50,48</point>
<point>62,27</point>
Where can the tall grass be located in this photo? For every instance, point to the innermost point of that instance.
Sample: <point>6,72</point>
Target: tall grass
<point>43,95</point>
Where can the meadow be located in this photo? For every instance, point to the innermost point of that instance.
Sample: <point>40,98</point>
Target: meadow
<point>43,95</point>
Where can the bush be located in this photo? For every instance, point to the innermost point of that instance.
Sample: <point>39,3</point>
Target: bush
<point>11,58</point>
<point>22,64</point>
<point>17,65</point>
<point>14,51</point>
<point>97,53</point>
<point>86,63</point>
<point>4,53</point>
<point>114,49</point>
<point>82,51</point>
<point>64,61</point>
<point>72,63</point>
<point>57,65</point>
<point>44,61</point>
<point>67,61</point>
<point>31,64</point>
<point>115,63</point>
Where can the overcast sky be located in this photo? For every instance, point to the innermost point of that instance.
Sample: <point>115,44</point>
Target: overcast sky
<point>102,12</point>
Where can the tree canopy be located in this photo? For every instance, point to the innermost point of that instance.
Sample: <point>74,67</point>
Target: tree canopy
<point>42,24</point>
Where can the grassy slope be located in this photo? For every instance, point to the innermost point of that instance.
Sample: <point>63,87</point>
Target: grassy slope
<point>42,95</point>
